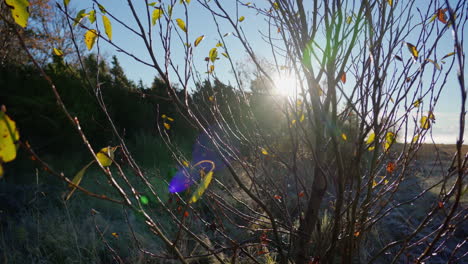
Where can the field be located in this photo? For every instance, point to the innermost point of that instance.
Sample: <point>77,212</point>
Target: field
<point>37,226</point>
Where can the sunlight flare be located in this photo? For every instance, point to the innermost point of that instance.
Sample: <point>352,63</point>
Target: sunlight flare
<point>286,85</point>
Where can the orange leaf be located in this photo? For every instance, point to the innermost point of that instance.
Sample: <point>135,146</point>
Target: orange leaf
<point>186,214</point>
<point>391,167</point>
<point>301,194</point>
<point>343,77</point>
<point>277,197</point>
<point>441,15</point>
<point>440,204</point>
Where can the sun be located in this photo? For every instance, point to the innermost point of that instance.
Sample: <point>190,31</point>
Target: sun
<point>286,85</point>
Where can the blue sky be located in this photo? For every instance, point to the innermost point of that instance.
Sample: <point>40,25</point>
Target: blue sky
<point>200,23</point>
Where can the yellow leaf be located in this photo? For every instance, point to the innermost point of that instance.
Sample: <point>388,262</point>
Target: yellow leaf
<point>164,116</point>
<point>413,50</point>
<point>264,151</point>
<point>212,68</point>
<point>370,140</point>
<point>181,24</point>
<point>425,124</point>
<point>431,115</point>
<point>90,38</point>
<point>241,18</point>
<point>8,138</point>
<point>302,118</point>
<point>390,2</point>
<point>374,183</point>
<point>198,40</point>
<point>417,103</point>
<point>448,55</point>
<point>349,19</point>
<point>105,156</point>
<point>385,181</point>
<point>157,13</point>
<point>435,64</point>
<point>219,44</point>
<point>107,26</point>
<point>293,122</point>
<point>77,180</point>
<point>1,171</point>
<point>275,6</point>
<point>185,163</point>
<point>114,234</point>
<point>92,16</point>
<point>19,11</point>
<point>211,98</point>
<point>167,126</point>
<point>389,139</point>
<point>225,55</point>
<point>344,137</point>
<point>202,187</point>
<point>415,139</point>
<point>213,55</point>
<point>58,52</point>
<point>170,119</point>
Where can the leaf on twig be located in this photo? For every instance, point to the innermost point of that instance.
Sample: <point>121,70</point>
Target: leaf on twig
<point>90,38</point>
<point>157,13</point>
<point>425,124</point>
<point>92,16</point>
<point>391,167</point>
<point>441,15</point>
<point>107,26</point>
<point>213,55</point>
<point>435,64</point>
<point>202,187</point>
<point>58,52</point>
<point>413,50</point>
<point>77,180</point>
<point>181,24</point>
<point>198,40</point>
<point>343,77</point>
<point>9,136</point>
<point>448,55</point>
<point>19,11</point>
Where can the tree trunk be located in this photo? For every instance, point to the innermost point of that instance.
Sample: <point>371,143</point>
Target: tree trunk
<point>309,221</point>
